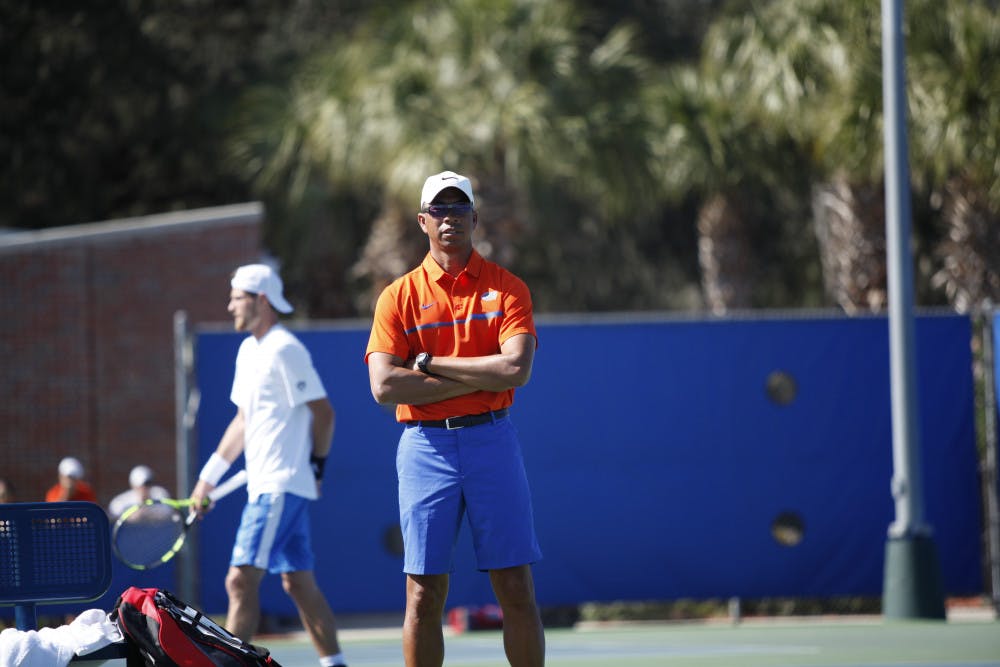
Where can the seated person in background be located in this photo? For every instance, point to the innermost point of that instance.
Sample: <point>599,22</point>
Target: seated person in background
<point>140,481</point>
<point>71,485</point>
<point>6,491</point>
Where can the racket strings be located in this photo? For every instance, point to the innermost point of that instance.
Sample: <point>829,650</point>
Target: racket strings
<point>149,535</point>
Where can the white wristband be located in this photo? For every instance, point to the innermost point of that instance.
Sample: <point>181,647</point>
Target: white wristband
<point>214,469</point>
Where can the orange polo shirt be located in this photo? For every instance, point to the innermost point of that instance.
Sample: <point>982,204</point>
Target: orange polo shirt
<point>83,491</point>
<point>471,315</point>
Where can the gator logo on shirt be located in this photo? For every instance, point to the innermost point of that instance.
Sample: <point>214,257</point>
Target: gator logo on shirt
<point>490,295</point>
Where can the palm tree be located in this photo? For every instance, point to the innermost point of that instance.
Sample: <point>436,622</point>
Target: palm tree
<point>700,153</point>
<point>814,68</point>
<point>513,92</point>
<point>957,113</point>
<point>721,140</point>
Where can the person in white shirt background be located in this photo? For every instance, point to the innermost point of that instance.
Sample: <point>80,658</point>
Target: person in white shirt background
<point>283,426</point>
<point>141,489</point>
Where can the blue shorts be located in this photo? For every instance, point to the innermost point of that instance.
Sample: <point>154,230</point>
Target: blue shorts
<point>476,471</point>
<point>274,534</point>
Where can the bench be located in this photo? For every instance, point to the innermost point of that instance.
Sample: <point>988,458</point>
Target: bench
<point>55,553</point>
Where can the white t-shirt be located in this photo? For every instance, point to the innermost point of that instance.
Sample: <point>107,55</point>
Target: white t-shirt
<point>274,380</point>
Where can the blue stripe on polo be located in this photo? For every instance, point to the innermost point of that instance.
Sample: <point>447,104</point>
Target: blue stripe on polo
<point>435,325</point>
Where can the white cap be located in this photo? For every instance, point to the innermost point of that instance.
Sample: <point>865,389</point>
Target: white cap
<point>140,476</point>
<point>71,467</point>
<point>446,179</point>
<point>262,279</point>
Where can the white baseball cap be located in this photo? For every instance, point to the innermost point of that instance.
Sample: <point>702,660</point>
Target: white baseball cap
<point>140,476</point>
<point>71,467</point>
<point>446,179</point>
<point>262,279</point>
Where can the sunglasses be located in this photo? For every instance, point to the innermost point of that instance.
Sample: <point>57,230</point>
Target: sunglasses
<point>442,210</point>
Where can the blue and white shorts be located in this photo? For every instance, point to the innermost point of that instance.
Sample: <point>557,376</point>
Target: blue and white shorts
<point>476,471</point>
<point>274,534</point>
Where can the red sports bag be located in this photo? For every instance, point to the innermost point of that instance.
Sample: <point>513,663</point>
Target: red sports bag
<point>163,631</point>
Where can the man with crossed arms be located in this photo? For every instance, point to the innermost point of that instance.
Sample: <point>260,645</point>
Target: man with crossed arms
<point>449,343</point>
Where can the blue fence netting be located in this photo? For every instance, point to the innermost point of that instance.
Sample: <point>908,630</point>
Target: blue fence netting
<point>668,459</point>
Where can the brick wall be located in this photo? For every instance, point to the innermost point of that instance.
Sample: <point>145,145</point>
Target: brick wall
<point>87,343</point>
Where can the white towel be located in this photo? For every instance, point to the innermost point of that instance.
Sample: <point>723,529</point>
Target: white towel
<point>48,647</point>
<point>55,647</point>
<point>93,630</point>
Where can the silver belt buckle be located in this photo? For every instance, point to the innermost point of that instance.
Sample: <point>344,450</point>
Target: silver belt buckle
<point>447,424</point>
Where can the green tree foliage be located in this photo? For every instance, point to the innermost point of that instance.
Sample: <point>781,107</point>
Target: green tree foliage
<point>743,167</point>
<point>814,67</point>
<point>553,122</point>
<point>956,111</point>
<point>671,30</point>
<point>731,143</point>
<point>114,109</point>
<point>808,69</point>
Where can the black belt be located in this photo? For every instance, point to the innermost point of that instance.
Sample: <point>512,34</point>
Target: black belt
<point>452,423</point>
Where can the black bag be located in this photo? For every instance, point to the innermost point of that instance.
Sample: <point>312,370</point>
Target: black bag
<point>163,631</point>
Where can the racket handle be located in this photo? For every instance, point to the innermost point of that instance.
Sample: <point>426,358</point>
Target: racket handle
<point>224,489</point>
<point>230,485</point>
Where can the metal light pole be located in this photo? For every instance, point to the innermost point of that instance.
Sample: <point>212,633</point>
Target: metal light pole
<point>911,584</point>
<point>187,562</point>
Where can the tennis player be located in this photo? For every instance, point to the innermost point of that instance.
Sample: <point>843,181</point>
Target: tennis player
<point>450,342</point>
<point>284,426</point>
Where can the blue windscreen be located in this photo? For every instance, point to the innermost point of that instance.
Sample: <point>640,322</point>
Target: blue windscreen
<point>668,459</point>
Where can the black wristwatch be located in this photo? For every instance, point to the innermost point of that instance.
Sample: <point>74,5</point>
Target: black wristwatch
<point>423,359</point>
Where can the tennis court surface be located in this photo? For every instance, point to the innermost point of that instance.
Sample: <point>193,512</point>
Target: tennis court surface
<point>779,643</point>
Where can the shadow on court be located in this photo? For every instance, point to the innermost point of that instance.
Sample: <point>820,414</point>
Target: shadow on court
<point>854,643</point>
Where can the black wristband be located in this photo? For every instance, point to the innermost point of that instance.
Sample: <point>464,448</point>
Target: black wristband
<point>317,463</point>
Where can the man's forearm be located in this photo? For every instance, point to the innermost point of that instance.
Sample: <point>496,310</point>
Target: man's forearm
<point>323,425</point>
<point>508,369</point>
<point>231,443</point>
<point>402,386</point>
<point>498,372</point>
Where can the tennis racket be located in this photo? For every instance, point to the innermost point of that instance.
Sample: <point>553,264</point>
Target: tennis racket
<point>149,534</point>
